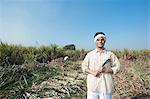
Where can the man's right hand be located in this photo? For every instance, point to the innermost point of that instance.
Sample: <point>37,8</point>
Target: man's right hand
<point>95,72</point>
<point>98,71</point>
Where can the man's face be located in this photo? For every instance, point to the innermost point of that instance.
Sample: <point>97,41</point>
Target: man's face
<point>100,42</point>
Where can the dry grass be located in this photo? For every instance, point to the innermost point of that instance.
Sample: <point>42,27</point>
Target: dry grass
<point>31,72</point>
<point>132,82</point>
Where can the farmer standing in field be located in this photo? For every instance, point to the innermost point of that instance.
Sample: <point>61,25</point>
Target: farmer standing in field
<point>99,65</point>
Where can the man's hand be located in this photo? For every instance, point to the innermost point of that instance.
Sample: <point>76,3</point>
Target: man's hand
<point>95,73</point>
<point>104,69</point>
<point>107,70</point>
<point>98,71</point>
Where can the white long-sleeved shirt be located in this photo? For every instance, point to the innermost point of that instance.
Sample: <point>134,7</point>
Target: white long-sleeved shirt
<point>104,82</point>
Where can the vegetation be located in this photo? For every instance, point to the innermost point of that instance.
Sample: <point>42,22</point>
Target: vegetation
<point>41,72</point>
<point>69,47</point>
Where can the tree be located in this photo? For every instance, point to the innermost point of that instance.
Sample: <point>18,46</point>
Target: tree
<point>69,47</point>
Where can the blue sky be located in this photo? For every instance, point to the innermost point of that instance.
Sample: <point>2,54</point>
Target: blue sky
<point>43,22</point>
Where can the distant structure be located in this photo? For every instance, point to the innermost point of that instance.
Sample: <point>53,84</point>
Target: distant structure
<point>66,58</point>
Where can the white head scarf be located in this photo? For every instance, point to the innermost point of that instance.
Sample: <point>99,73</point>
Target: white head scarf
<point>99,35</point>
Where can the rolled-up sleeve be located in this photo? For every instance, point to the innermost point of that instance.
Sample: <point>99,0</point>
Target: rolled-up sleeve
<point>115,64</point>
<point>85,63</point>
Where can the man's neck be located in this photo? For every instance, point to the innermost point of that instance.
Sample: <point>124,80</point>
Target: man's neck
<point>100,49</point>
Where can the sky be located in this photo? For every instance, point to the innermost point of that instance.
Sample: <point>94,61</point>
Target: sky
<point>43,22</point>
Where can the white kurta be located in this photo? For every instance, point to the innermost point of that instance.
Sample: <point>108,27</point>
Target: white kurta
<point>104,82</point>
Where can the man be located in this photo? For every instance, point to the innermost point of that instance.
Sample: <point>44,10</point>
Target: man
<point>100,65</point>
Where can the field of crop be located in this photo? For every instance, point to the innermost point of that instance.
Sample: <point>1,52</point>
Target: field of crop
<point>41,73</point>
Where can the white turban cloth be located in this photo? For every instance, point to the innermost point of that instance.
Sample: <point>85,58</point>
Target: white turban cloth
<point>99,35</point>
